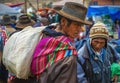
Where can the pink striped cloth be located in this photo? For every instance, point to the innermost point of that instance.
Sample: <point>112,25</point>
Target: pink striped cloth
<point>48,51</point>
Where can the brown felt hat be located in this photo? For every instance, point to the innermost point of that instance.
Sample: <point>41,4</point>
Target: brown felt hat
<point>74,11</point>
<point>24,21</point>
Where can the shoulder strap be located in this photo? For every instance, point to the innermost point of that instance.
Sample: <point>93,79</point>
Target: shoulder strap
<point>83,66</point>
<point>87,68</point>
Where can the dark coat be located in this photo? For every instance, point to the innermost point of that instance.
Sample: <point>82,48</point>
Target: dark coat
<point>92,69</point>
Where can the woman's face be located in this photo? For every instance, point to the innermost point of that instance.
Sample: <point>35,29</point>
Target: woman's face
<point>72,30</point>
<point>98,43</point>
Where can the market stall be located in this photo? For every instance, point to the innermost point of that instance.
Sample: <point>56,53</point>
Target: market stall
<point>4,9</point>
<point>106,14</point>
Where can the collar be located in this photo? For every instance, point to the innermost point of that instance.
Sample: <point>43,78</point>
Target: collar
<point>51,32</point>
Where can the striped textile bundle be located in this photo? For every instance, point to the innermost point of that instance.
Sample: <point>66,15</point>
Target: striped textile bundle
<point>48,51</point>
<point>3,33</point>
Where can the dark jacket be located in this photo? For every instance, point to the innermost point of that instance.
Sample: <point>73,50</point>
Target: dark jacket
<point>94,69</point>
<point>63,71</point>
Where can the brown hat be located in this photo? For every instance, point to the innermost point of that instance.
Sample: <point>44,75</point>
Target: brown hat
<point>57,8</point>
<point>24,21</point>
<point>99,30</point>
<point>74,11</point>
<point>6,20</point>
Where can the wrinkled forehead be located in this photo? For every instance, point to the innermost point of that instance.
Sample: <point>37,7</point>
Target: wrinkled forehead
<point>99,39</point>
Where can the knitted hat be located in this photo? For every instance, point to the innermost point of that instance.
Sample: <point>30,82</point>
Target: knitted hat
<point>99,30</point>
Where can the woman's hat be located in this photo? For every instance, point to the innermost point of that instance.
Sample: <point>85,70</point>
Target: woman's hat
<point>24,21</point>
<point>74,11</point>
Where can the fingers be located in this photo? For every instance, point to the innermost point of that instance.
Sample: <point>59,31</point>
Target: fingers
<point>115,79</point>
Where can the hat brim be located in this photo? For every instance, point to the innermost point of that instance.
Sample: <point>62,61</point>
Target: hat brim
<point>62,13</point>
<point>99,36</point>
<point>21,26</point>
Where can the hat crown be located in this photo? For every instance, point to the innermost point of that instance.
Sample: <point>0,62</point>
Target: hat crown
<point>99,30</point>
<point>73,11</point>
<point>23,19</point>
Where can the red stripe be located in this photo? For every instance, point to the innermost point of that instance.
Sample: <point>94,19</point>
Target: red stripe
<point>41,64</point>
<point>59,55</point>
<point>51,46</point>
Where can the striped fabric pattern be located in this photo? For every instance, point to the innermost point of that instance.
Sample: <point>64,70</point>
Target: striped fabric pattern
<point>3,33</point>
<point>48,51</point>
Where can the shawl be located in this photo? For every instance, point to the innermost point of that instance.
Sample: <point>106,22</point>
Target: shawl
<point>50,50</point>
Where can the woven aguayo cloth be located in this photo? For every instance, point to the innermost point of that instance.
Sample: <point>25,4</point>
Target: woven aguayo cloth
<point>49,50</point>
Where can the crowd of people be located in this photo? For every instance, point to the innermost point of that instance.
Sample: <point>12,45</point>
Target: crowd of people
<point>60,55</point>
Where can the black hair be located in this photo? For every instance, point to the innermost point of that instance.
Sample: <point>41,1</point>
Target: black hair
<point>68,20</point>
<point>116,21</point>
<point>14,17</point>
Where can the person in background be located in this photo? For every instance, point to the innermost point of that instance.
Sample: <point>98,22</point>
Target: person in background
<point>43,22</point>
<point>54,59</point>
<point>33,16</point>
<point>3,70</point>
<point>6,22</point>
<point>24,21</point>
<point>51,16</point>
<point>96,56</point>
<point>88,27</point>
<point>116,28</point>
<point>13,19</point>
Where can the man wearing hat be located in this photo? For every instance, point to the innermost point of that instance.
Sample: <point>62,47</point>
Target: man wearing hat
<point>24,21</point>
<point>5,31</point>
<point>6,21</point>
<point>96,56</point>
<point>54,59</point>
